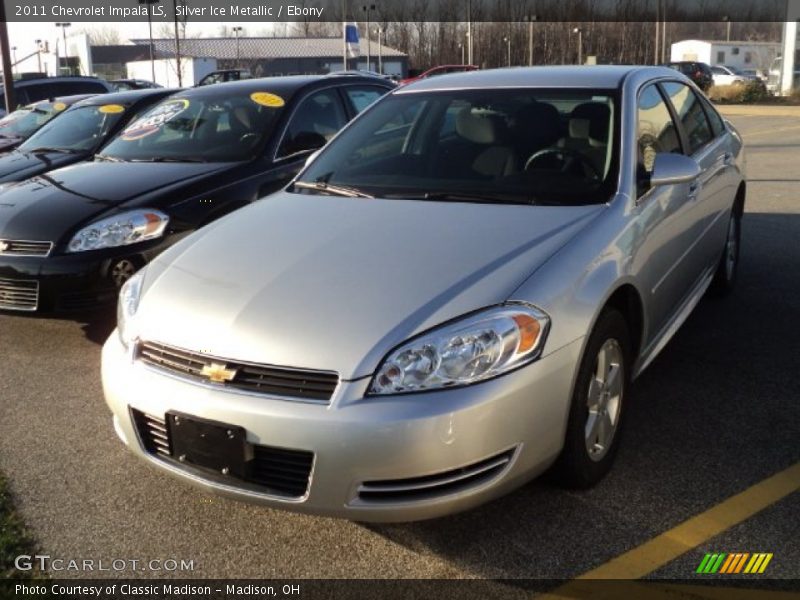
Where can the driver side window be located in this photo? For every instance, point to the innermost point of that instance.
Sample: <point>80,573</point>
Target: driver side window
<point>656,132</point>
<point>316,120</point>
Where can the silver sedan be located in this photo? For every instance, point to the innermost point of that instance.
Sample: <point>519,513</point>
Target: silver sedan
<point>451,298</point>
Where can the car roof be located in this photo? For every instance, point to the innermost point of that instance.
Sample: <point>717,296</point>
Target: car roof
<point>45,80</point>
<point>286,85</point>
<point>594,76</point>
<point>127,97</point>
<point>68,100</point>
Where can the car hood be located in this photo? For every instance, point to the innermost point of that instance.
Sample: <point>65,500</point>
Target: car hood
<point>45,207</point>
<point>333,283</point>
<point>8,143</point>
<point>17,165</point>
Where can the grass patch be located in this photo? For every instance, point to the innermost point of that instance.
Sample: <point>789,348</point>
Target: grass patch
<point>14,537</point>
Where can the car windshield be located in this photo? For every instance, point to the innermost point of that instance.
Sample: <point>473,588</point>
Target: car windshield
<point>80,128</point>
<point>511,146</point>
<point>221,127</point>
<point>23,122</point>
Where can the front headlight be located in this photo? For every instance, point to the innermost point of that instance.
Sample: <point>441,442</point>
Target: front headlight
<point>120,230</point>
<point>476,348</point>
<point>127,305</point>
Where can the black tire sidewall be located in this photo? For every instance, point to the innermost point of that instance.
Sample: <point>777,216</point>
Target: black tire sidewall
<point>574,467</point>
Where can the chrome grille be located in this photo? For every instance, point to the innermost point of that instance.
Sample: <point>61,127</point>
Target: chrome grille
<point>18,294</point>
<point>25,248</point>
<point>431,486</point>
<point>259,379</point>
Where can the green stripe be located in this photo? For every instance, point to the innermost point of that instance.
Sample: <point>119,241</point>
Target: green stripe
<point>718,564</point>
<point>711,562</point>
<point>701,568</point>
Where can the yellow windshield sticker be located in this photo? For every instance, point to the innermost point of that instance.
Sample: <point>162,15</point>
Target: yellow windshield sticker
<point>111,109</point>
<point>267,99</point>
<point>59,106</point>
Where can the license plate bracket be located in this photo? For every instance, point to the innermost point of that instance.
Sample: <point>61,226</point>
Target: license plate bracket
<point>208,444</point>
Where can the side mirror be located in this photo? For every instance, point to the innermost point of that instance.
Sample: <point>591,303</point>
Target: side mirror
<point>670,169</point>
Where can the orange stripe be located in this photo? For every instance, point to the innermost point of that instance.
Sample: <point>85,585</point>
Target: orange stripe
<point>728,561</point>
<point>736,558</point>
<point>741,562</point>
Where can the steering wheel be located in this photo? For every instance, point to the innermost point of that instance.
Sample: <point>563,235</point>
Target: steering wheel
<point>567,157</point>
<point>248,138</point>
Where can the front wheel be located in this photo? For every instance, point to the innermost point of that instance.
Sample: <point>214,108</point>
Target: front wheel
<point>598,402</point>
<point>725,277</point>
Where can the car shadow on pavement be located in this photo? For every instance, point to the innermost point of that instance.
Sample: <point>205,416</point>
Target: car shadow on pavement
<point>714,414</point>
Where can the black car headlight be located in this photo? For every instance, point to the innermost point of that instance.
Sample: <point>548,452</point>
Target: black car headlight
<point>123,229</point>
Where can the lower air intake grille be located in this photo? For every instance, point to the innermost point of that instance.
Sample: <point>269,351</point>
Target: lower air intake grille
<point>25,248</point>
<point>19,294</point>
<point>275,471</point>
<point>259,379</point>
<point>431,486</point>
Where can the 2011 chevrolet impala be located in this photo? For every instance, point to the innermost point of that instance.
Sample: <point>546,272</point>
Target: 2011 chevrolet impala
<point>452,297</point>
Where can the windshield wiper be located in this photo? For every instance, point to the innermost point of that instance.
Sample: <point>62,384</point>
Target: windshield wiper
<point>107,158</point>
<point>181,159</point>
<point>46,149</point>
<point>336,190</point>
<point>488,198</point>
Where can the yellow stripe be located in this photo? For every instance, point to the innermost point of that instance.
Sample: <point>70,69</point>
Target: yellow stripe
<point>669,545</point>
<point>757,564</point>
<point>727,563</point>
<point>765,563</point>
<point>741,563</point>
<point>751,563</point>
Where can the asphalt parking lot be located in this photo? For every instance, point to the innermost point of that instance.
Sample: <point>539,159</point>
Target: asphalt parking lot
<point>715,414</point>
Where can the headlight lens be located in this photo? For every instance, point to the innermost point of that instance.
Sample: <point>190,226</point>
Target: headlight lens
<point>479,347</point>
<point>127,305</point>
<point>120,230</point>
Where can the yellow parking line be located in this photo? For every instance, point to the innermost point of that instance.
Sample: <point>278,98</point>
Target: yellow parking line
<point>697,530</point>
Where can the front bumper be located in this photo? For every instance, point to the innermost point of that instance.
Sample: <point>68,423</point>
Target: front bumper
<point>393,458</point>
<point>68,282</point>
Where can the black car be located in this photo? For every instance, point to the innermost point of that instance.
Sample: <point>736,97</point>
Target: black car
<point>77,134</point>
<point>24,122</point>
<point>698,72</point>
<point>122,85</point>
<point>224,76</point>
<point>29,90</point>
<point>71,237</point>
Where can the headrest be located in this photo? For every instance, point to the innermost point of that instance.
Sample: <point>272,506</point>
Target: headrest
<point>589,121</point>
<point>476,128</point>
<point>242,117</point>
<point>537,124</point>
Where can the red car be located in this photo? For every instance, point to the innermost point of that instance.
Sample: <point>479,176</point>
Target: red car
<point>440,70</point>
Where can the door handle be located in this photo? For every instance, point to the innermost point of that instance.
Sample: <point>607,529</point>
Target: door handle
<point>727,158</point>
<point>694,188</point>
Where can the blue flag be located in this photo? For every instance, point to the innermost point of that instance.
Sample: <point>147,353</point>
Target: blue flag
<point>351,40</point>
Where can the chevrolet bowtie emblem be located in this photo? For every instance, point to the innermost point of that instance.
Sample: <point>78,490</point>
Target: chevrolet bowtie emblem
<point>219,373</point>
<point>4,246</point>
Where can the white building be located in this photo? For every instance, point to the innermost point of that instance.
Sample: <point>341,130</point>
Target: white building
<point>739,54</point>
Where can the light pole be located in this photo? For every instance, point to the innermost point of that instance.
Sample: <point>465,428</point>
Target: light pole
<point>461,47</point>
<point>237,31</point>
<point>507,40</point>
<point>381,30</point>
<point>14,58</point>
<point>63,27</point>
<point>366,8</point>
<point>149,3</point>
<point>39,53</point>
<point>579,31</point>
<point>469,31</point>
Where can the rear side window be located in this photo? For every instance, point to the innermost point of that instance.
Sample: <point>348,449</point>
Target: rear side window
<point>362,96</point>
<point>317,119</point>
<point>657,132</point>
<point>34,93</point>
<point>70,88</point>
<point>691,114</point>
<point>717,124</point>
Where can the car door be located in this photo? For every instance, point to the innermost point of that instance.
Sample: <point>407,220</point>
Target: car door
<point>665,214</point>
<point>708,144</point>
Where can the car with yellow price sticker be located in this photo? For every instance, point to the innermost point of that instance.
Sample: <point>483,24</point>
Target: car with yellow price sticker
<point>21,124</point>
<point>70,238</point>
<point>82,130</point>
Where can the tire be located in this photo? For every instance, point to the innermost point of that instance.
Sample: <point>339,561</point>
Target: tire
<point>588,454</point>
<point>725,277</point>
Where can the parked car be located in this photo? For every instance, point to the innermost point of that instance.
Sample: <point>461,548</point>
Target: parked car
<point>24,122</point>
<point>440,70</point>
<point>29,91</point>
<point>225,75</point>
<point>452,297</point>
<point>700,73</point>
<point>122,85</point>
<point>77,134</point>
<point>775,74</point>
<point>723,75</point>
<point>71,237</point>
